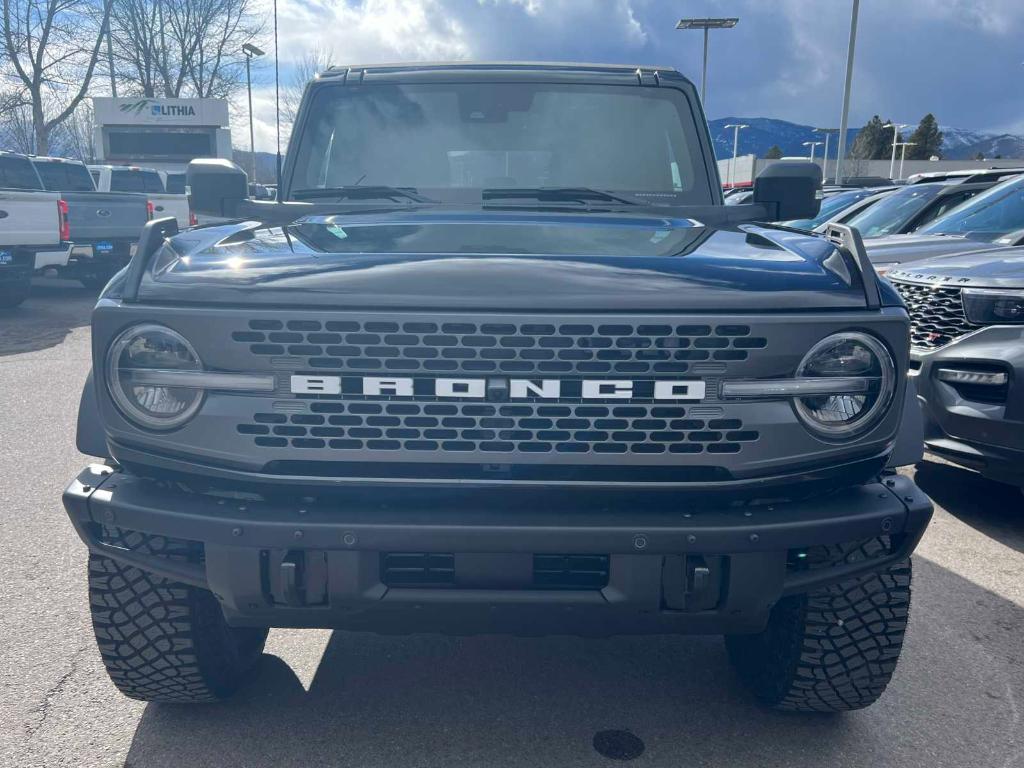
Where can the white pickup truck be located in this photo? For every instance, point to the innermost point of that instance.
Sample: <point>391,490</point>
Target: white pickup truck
<point>32,221</point>
<point>125,178</point>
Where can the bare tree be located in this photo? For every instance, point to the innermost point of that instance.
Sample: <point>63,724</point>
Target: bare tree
<point>182,47</point>
<point>52,47</point>
<point>306,68</point>
<point>75,134</point>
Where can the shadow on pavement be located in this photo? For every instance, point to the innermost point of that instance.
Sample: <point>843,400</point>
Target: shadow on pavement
<point>52,311</point>
<point>493,701</point>
<point>994,509</point>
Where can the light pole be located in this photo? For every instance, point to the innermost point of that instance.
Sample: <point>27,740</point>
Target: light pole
<point>824,160</point>
<point>903,153</point>
<point>845,119</point>
<point>895,135</point>
<point>251,52</point>
<point>706,24</point>
<point>812,145</point>
<point>736,128</point>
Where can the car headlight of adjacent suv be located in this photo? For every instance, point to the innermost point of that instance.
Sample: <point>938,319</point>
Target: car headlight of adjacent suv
<point>143,364</point>
<point>864,377</point>
<point>993,306</point>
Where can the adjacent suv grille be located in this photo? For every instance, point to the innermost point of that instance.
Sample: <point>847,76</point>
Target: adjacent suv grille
<point>499,428</point>
<point>565,348</point>
<point>936,314</point>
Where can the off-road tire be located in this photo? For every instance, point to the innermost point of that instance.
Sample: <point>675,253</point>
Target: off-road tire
<point>165,641</point>
<point>834,649</point>
<point>96,280</point>
<point>14,293</point>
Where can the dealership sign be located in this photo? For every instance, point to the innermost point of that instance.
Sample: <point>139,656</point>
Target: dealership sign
<point>152,111</point>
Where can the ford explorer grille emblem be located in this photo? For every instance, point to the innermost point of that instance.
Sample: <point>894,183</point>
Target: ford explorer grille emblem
<point>103,212</point>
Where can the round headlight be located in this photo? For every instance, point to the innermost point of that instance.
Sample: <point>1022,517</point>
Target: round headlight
<point>856,356</point>
<point>143,349</point>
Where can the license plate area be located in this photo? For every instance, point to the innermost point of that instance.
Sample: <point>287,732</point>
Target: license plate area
<point>6,257</point>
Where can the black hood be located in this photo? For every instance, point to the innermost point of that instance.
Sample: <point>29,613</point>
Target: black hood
<point>899,249</point>
<point>504,260</point>
<point>1002,268</point>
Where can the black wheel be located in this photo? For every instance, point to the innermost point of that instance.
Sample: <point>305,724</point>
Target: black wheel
<point>165,641</point>
<point>96,279</point>
<point>834,649</point>
<point>15,292</point>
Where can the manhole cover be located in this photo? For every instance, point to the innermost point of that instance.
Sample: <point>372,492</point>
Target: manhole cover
<point>618,745</point>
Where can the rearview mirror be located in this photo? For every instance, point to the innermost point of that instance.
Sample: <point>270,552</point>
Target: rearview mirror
<point>217,186</point>
<point>789,190</point>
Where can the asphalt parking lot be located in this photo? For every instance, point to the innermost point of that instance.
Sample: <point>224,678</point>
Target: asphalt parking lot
<point>347,699</point>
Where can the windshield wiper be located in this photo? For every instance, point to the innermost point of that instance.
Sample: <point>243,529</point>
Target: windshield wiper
<point>555,195</point>
<point>363,193</point>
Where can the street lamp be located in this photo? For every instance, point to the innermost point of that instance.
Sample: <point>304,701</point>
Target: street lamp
<point>812,145</point>
<point>895,135</point>
<point>251,52</point>
<point>844,119</point>
<point>736,128</point>
<point>903,153</point>
<point>706,24</point>
<point>824,160</point>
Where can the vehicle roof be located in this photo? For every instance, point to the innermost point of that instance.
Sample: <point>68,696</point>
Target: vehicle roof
<point>967,174</point>
<point>491,70</point>
<point>122,168</point>
<point>50,159</point>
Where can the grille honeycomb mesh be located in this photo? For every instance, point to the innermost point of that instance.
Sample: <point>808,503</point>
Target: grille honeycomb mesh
<point>514,348</point>
<point>498,428</point>
<point>936,314</point>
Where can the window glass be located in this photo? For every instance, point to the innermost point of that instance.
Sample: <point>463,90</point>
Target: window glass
<point>128,180</point>
<point>64,177</point>
<point>995,211</point>
<point>18,173</point>
<point>438,137</point>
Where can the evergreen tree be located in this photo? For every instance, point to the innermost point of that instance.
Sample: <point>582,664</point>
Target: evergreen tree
<point>980,156</point>
<point>927,139</point>
<point>871,141</point>
<point>774,152</point>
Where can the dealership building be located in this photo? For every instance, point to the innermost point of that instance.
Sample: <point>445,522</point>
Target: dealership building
<point>160,133</point>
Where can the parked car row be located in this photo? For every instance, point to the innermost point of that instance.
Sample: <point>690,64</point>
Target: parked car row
<point>82,221</point>
<point>951,245</point>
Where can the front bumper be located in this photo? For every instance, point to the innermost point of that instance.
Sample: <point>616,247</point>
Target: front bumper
<point>977,427</point>
<point>320,562</point>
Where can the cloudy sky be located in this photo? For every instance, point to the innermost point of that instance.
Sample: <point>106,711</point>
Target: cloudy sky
<point>960,59</point>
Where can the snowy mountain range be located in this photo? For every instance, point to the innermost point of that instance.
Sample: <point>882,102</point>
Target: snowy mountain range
<point>764,132</point>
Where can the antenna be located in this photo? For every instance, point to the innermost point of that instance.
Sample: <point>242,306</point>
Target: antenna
<point>277,102</point>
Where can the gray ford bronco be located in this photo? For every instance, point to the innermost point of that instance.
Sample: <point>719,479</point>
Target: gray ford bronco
<point>500,360</point>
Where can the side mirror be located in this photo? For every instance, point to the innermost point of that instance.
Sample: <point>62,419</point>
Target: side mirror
<point>789,190</point>
<point>217,186</point>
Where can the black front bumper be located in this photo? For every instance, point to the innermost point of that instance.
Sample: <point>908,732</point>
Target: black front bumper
<point>320,562</point>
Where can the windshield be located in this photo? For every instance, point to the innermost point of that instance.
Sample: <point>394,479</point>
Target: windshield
<point>18,173</point>
<point>831,206</point>
<point>452,141</point>
<point>176,183</point>
<point>893,211</point>
<point>135,181</point>
<point>64,177</point>
<point>995,211</point>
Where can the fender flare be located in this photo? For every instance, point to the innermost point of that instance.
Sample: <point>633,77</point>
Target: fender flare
<point>90,437</point>
<point>909,447</point>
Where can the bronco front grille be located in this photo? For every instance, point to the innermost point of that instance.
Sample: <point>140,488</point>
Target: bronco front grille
<point>936,314</point>
<point>499,428</point>
<point>497,347</point>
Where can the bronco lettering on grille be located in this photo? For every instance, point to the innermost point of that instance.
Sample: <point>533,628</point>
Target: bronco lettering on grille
<point>500,389</point>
